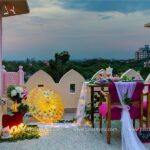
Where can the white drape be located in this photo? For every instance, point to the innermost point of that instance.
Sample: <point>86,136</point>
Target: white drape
<point>80,114</point>
<point>130,140</point>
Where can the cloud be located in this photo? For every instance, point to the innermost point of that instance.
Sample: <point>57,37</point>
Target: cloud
<point>123,6</point>
<point>107,17</point>
<point>39,20</point>
<point>85,31</point>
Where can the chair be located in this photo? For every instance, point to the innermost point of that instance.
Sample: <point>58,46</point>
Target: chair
<point>110,110</point>
<point>146,105</point>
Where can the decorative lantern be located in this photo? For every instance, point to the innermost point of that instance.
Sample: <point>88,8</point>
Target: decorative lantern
<point>45,105</point>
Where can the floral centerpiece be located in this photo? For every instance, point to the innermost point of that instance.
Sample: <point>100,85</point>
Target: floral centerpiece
<point>16,94</point>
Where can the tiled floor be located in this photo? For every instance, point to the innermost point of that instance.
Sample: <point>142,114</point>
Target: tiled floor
<point>81,138</point>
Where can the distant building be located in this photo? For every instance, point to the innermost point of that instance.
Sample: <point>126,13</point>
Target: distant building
<point>46,62</point>
<point>142,53</point>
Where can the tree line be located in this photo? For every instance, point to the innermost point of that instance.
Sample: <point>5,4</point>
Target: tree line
<point>61,64</point>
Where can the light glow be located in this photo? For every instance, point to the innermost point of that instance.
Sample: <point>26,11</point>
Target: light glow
<point>45,105</point>
<point>16,129</point>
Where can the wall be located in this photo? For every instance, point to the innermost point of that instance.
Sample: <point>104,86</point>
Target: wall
<point>63,87</point>
<point>11,78</point>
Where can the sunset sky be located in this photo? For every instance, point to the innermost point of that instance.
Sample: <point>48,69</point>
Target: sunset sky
<point>85,28</point>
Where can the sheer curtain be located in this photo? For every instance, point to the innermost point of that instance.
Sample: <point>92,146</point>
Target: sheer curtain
<point>80,114</point>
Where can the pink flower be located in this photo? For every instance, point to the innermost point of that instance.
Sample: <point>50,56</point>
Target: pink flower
<point>115,79</point>
<point>25,93</point>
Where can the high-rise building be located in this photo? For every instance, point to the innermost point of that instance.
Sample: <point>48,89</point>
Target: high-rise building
<point>142,53</point>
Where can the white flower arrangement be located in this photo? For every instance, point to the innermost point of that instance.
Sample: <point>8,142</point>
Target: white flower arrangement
<point>17,90</point>
<point>13,93</point>
<point>16,93</point>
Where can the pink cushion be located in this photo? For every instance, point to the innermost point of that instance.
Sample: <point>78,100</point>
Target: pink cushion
<point>145,107</point>
<point>116,112</point>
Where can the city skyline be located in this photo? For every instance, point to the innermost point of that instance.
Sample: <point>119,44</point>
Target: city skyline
<point>87,29</point>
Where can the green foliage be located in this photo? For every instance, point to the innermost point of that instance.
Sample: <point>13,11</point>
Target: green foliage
<point>58,66</point>
<point>62,57</point>
<point>23,108</point>
<point>127,101</point>
<point>28,132</point>
<point>96,105</point>
<point>9,89</point>
<point>125,78</point>
<point>145,72</point>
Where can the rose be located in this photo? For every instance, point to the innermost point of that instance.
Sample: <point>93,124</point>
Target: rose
<point>13,93</point>
<point>19,89</point>
<point>25,93</point>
